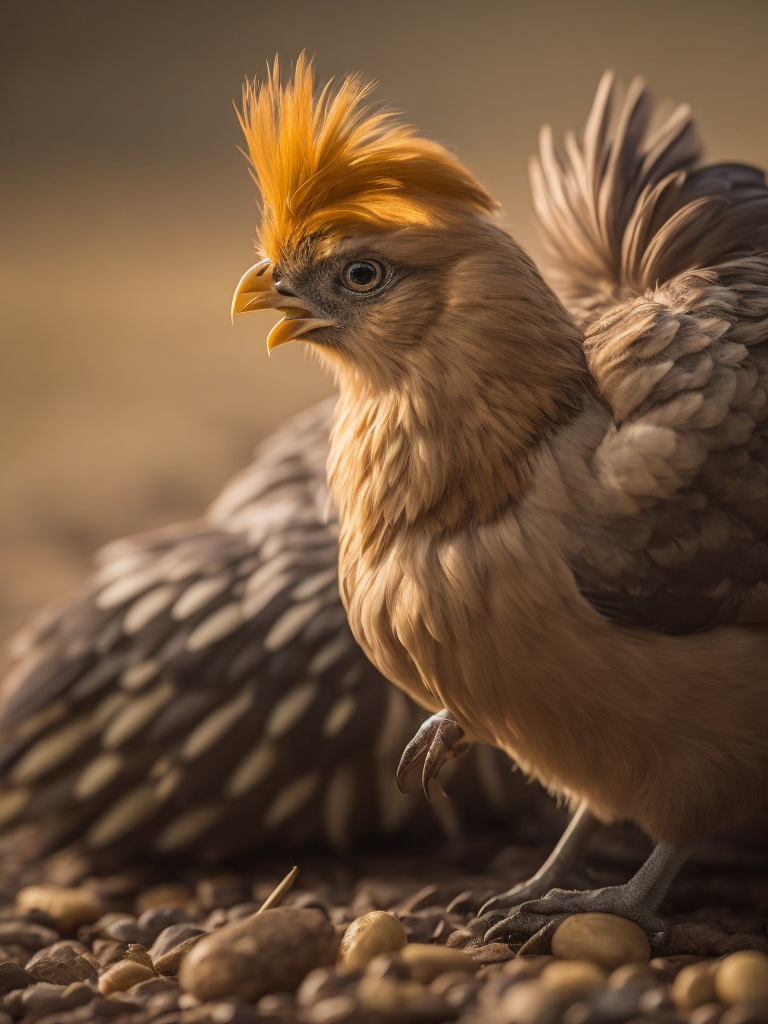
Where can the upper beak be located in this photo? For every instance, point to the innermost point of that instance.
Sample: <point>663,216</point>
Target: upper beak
<point>256,290</point>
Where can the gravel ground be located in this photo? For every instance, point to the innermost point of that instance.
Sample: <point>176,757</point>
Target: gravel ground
<point>380,938</point>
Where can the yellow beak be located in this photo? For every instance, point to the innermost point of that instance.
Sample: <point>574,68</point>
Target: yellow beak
<point>256,290</point>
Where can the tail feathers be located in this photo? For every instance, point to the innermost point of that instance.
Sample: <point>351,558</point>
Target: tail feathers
<point>627,207</point>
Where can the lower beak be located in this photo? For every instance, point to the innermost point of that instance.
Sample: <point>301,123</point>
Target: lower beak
<point>256,290</point>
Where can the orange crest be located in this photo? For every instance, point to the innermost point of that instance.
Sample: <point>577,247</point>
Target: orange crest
<point>328,165</point>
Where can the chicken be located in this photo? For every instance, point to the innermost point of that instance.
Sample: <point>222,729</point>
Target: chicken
<point>553,518</point>
<point>202,696</point>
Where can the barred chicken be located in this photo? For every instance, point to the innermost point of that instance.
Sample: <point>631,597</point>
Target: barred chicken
<point>553,514</point>
<point>203,697</point>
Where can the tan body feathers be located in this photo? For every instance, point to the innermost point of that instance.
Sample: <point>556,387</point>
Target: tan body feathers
<point>554,523</point>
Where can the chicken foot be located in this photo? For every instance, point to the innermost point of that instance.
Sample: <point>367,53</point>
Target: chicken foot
<point>638,900</point>
<point>438,740</point>
<point>556,868</point>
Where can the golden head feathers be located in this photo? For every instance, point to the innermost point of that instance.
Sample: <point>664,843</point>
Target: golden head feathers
<point>327,165</point>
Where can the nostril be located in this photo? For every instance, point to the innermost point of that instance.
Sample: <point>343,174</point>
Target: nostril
<point>283,289</point>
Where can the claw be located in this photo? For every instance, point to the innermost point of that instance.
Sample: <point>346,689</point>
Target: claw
<point>535,921</point>
<point>437,741</point>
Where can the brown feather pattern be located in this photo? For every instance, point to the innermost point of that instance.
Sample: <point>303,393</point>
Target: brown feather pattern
<point>202,695</point>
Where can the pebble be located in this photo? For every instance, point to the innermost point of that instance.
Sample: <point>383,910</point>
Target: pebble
<point>123,929</point>
<point>269,952</point>
<point>325,983</point>
<point>709,1013</point>
<point>124,975</point>
<point>172,936</point>
<point>528,1002</point>
<point>695,985</point>
<point>61,964</point>
<point>604,939</point>
<point>156,919</point>
<point>26,934</point>
<point>167,895</point>
<point>170,963</point>
<point>69,907</point>
<point>368,936</point>
<point>406,999</point>
<point>222,892</point>
<point>42,998</point>
<point>742,977</point>
<point>572,977</point>
<point>426,962</point>
<point>12,977</point>
<point>335,1010</point>
<point>108,952</point>
<point>746,1013</point>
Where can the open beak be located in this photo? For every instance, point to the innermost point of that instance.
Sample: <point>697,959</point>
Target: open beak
<point>256,290</point>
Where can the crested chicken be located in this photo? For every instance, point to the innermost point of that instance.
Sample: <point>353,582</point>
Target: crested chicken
<point>553,510</point>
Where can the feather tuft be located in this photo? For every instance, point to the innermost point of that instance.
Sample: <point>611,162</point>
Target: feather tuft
<point>328,164</point>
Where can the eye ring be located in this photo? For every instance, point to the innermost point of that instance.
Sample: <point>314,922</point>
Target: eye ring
<point>362,276</point>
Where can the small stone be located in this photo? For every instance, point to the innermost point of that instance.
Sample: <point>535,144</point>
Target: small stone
<point>168,895</point>
<point>79,993</point>
<point>709,1013</point>
<point>457,988</point>
<point>156,919</point>
<point>529,1002</point>
<point>14,932</point>
<point>572,977</point>
<point>171,937</point>
<point>276,1004</point>
<point>268,952</point>
<point>108,952</point>
<point>369,935</point>
<point>605,939</point>
<point>655,1000</point>
<point>695,985</point>
<point>13,977</point>
<point>388,965</point>
<point>170,963</point>
<point>666,968</point>
<point>403,999</point>
<point>124,975</point>
<point>124,929</point>
<point>324,983</point>
<point>139,954</point>
<point>146,990</point>
<point>241,910</point>
<point>61,964</point>
<point>69,907</point>
<point>746,1013</point>
<point>742,978</point>
<point>333,1010</point>
<point>639,975</point>
<point>162,1002</point>
<point>426,962</point>
<point>525,967</point>
<point>43,998</point>
<point>222,892</point>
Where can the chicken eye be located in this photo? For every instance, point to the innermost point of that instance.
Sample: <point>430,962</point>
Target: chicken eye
<point>362,276</point>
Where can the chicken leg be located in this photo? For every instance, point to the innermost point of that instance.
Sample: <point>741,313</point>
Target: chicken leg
<point>555,869</point>
<point>638,899</point>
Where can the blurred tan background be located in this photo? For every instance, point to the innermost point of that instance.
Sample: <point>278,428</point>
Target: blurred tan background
<point>126,398</point>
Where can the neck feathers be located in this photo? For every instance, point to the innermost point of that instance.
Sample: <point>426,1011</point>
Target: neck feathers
<point>451,443</point>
